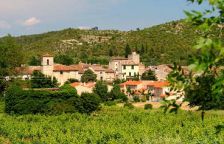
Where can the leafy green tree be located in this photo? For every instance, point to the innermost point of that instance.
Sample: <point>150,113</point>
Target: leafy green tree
<point>3,86</point>
<point>64,59</point>
<point>90,103</point>
<point>127,50</point>
<point>34,61</point>
<point>149,75</point>
<point>88,76</point>
<point>142,50</point>
<point>204,85</point>
<point>39,80</point>
<point>116,93</point>
<point>11,55</point>
<point>101,89</point>
<point>111,53</point>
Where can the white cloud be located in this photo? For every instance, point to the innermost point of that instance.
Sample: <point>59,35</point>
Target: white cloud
<point>4,25</point>
<point>31,21</point>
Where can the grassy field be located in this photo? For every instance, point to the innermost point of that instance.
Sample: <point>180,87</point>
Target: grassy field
<point>112,125</point>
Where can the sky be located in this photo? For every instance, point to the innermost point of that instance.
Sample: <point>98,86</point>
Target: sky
<point>23,17</point>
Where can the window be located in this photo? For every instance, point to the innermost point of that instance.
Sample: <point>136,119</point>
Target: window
<point>48,62</point>
<point>129,73</point>
<point>132,67</point>
<point>101,78</point>
<point>124,67</point>
<point>61,72</point>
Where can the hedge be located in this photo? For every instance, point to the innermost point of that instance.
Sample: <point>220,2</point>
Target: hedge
<point>65,100</point>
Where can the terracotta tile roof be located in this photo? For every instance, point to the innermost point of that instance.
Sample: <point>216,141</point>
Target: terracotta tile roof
<point>97,68</point>
<point>128,62</point>
<point>130,83</point>
<point>109,71</point>
<point>27,70</point>
<point>60,67</point>
<point>75,84</point>
<point>81,67</point>
<point>158,84</point>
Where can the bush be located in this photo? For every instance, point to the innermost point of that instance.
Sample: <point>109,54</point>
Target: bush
<point>116,94</point>
<point>148,106</point>
<point>129,105</point>
<point>71,81</point>
<point>143,99</point>
<point>136,99</point>
<point>90,103</point>
<point>110,103</point>
<point>65,100</point>
<point>101,90</point>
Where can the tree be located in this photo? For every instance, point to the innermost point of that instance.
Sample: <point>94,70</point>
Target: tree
<point>127,50</point>
<point>88,76</point>
<point>149,75</point>
<point>11,55</point>
<point>101,89</point>
<point>204,85</point>
<point>90,103</point>
<point>111,53</point>
<point>64,59</point>
<point>39,80</point>
<point>142,49</point>
<point>3,86</point>
<point>34,61</point>
<point>116,93</point>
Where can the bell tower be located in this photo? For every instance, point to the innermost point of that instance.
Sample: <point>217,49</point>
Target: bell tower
<point>47,64</point>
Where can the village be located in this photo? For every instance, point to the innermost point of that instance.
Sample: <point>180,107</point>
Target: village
<point>128,70</point>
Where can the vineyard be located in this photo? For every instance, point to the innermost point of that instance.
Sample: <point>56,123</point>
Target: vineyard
<point>112,125</point>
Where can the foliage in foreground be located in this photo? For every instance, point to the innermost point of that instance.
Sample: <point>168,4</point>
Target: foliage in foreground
<point>112,125</point>
<point>65,100</point>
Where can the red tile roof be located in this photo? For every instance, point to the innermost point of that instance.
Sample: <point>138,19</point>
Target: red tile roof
<point>128,62</point>
<point>131,83</point>
<point>60,67</point>
<point>158,84</point>
<point>109,71</point>
<point>75,84</point>
<point>27,70</point>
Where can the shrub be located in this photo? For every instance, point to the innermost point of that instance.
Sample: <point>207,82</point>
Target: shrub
<point>39,80</point>
<point>90,103</point>
<point>49,102</point>
<point>116,94</point>
<point>136,98</point>
<point>143,99</point>
<point>110,103</point>
<point>88,76</point>
<point>129,105</point>
<point>148,106</point>
<point>101,90</point>
<point>71,81</point>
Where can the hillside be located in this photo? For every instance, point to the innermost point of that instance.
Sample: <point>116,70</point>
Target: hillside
<point>165,43</point>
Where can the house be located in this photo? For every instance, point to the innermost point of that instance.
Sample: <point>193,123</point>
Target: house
<point>83,87</point>
<point>158,89</point>
<point>62,72</point>
<point>127,68</point>
<point>86,87</point>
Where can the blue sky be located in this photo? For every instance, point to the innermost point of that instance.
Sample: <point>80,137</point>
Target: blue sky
<point>20,17</point>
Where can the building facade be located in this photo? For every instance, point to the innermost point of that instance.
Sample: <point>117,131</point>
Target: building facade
<point>127,68</point>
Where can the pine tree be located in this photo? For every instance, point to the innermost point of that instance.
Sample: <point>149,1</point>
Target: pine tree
<point>127,50</point>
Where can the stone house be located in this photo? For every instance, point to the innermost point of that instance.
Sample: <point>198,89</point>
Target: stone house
<point>127,68</point>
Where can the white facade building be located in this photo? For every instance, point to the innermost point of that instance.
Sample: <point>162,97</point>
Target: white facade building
<point>127,68</point>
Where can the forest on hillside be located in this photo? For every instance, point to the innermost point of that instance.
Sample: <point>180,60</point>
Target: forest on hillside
<point>162,44</point>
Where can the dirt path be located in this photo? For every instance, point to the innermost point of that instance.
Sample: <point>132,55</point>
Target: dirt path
<point>158,104</point>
